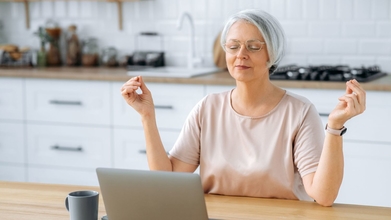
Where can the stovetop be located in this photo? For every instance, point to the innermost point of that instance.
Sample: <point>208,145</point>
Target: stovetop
<point>339,73</point>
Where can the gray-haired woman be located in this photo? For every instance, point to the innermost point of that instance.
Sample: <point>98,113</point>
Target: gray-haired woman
<point>256,140</point>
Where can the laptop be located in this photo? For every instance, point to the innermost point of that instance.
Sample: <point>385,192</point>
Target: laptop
<point>141,194</point>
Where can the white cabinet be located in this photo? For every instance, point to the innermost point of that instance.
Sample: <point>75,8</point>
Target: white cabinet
<point>67,130</point>
<point>367,146</point>
<point>366,178</point>
<point>68,101</point>
<point>12,132</point>
<point>129,147</point>
<point>11,98</point>
<point>173,103</point>
<point>58,175</point>
<point>68,146</point>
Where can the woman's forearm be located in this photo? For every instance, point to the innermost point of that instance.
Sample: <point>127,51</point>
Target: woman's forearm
<point>156,154</point>
<point>328,177</point>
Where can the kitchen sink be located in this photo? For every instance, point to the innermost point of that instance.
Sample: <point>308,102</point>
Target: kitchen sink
<point>177,72</point>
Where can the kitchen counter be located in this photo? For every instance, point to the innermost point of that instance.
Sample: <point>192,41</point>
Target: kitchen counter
<point>25,201</point>
<point>220,78</point>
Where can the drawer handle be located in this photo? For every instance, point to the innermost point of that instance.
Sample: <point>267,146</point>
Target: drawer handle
<point>64,148</point>
<point>145,152</point>
<point>60,102</point>
<point>164,106</point>
<point>324,114</point>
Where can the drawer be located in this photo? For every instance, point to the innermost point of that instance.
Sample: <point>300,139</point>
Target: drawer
<point>68,146</point>
<point>11,98</point>
<point>68,101</point>
<point>366,181</point>
<point>129,147</point>
<point>12,172</point>
<point>12,142</point>
<point>85,177</point>
<point>172,103</point>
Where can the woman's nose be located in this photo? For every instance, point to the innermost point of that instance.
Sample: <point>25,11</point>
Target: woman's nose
<point>242,53</point>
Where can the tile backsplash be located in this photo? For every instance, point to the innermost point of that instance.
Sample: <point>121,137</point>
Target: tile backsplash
<point>352,32</point>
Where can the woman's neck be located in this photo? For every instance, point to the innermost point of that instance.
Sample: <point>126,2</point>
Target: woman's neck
<point>255,99</point>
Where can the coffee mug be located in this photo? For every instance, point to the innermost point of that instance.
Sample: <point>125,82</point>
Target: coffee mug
<point>83,205</point>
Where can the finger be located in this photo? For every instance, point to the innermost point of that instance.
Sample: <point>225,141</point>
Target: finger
<point>143,87</point>
<point>358,91</point>
<point>131,82</point>
<point>348,89</point>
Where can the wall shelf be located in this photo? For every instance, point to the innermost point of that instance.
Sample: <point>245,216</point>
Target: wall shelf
<point>27,10</point>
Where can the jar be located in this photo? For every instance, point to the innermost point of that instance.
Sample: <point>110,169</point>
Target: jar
<point>109,57</point>
<point>90,52</point>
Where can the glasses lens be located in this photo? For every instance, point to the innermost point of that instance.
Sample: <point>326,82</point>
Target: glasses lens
<point>233,47</point>
<point>254,45</point>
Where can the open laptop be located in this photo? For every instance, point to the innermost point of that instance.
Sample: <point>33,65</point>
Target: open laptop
<point>138,194</point>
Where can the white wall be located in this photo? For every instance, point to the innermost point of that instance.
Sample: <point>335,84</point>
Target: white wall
<point>353,32</point>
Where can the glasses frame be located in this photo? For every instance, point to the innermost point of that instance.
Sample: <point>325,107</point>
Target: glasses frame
<point>246,45</point>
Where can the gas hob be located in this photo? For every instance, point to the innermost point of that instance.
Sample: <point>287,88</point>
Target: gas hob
<point>339,73</point>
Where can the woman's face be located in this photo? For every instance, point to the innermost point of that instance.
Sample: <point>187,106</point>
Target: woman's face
<point>245,65</point>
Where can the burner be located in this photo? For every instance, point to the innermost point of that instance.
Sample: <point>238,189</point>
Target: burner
<point>327,73</point>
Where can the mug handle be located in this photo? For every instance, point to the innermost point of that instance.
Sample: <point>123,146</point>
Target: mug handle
<point>66,203</point>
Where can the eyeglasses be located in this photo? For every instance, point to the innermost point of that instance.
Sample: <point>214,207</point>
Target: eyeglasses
<point>234,46</point>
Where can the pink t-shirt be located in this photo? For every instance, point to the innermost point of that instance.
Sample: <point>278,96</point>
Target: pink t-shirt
<point>264,156</point>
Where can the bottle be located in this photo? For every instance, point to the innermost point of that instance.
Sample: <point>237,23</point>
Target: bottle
<point>73,47</point>
<point>90,52</point>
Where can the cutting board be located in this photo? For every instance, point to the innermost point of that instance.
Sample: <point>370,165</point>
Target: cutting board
<point>219,54</point>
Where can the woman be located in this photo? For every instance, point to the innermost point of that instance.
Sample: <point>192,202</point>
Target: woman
<point>257,139</point>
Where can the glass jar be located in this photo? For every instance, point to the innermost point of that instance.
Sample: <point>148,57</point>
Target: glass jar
<point>90,52</point>
<point>109,57</point>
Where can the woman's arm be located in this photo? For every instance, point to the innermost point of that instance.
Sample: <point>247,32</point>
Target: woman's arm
<point>324,184</point>
<point>143,104</point>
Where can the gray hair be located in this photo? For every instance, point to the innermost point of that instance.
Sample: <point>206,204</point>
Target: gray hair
<point>270,29</point>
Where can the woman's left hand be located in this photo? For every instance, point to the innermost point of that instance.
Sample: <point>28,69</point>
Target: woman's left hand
<point>351,104</point>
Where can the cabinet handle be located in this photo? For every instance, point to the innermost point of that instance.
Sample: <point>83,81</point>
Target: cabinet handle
<point>324,114</point>
<point>60,102</point>
<point>164,106</point>
<point>64,148</point>
<point>145,152</point>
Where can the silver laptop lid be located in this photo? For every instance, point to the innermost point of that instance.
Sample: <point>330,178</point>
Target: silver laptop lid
<point>136,194</point>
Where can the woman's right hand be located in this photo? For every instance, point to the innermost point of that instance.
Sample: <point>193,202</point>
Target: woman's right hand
<point>142,103</point>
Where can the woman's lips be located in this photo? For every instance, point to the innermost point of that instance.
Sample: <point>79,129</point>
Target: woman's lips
<point>241,67</point>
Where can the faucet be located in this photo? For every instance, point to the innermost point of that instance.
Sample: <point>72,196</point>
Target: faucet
<point>191,57</point>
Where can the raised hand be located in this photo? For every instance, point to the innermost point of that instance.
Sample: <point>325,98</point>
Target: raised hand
<point>142,103</point>
<point>351,104</point>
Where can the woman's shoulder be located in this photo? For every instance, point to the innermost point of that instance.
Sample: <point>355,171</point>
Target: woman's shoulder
<point>217,97</point>
<point>293,97</point>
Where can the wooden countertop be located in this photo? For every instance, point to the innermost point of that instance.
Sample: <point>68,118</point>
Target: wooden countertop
<point>221,78</point>
<point>26,201</point>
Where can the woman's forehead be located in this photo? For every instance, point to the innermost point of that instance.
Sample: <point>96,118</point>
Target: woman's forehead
<point>244,30</point>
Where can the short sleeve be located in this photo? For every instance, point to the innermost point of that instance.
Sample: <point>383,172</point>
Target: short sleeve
<point>187,146</point>
<point>308,142</point>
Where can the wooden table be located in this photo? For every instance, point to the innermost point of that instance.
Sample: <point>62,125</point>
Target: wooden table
<point>26,201</point>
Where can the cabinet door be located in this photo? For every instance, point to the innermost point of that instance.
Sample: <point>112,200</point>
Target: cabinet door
<point>62,176</point>
<point>12,172</point>
<point>173,103</point>
<point>12,143</point>
<point>367,177</point>
<point>68,146</point>
<point>68,101</point>
<point>11,98</point>
<point>372,125</point>
<point>129,147</point>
